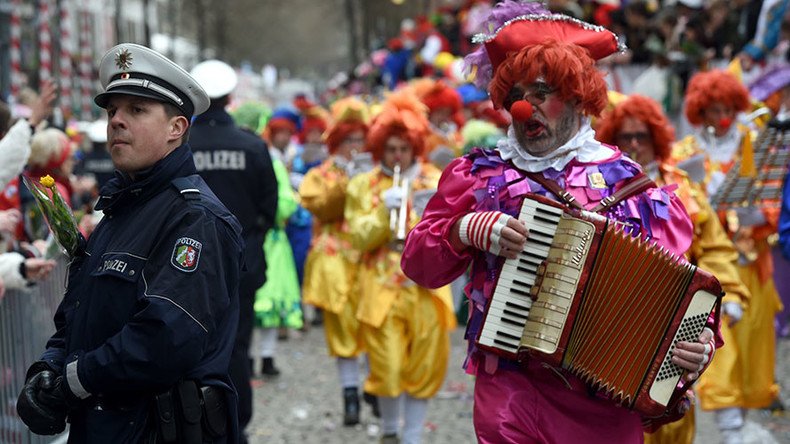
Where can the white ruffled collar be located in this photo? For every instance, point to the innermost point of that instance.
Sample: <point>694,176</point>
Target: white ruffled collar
<point>582,146</point>
<point>720,149</point>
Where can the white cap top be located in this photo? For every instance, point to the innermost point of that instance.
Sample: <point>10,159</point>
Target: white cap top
<point>216,77</point>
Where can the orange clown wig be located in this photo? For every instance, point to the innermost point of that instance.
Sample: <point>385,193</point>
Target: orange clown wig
<point>716,86</point>
<point>349,115</point>
<point>563,65</point>
<point>647,111</point>
<point>402,115</point>
<point>314,119</point>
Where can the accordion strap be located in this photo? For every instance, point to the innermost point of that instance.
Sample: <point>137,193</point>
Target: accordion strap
<point>633,186</point>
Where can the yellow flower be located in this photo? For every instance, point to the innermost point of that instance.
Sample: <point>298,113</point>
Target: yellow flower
<point>47,181</point>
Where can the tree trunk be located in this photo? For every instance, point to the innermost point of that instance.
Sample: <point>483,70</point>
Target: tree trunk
<point>146,23</point>
<point>200,16</point>
<point>353,45</point>
<point>118,22</point>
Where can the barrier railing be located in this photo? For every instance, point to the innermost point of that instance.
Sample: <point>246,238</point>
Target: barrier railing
<point>25,325</point>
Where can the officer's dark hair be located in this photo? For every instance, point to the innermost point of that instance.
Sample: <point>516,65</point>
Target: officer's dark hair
<point>220,102</point>
<point>172,111</point>
<point>5,119</point>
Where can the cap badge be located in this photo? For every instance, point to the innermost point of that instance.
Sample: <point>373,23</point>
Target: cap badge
<point>123,59</point>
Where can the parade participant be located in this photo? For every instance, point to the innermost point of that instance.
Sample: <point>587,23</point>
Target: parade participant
<point>404,327</point>
<point>310,153</point>
<point>773,89</point>
<point>444,113</point>
<point>277,302</point>
<point>638,126</point>
<point>541,68</point>
<point>145,330</point>
<point>237,167</point>
<point>331,267</point>
<point>784,221</point>
<point>714,100</point>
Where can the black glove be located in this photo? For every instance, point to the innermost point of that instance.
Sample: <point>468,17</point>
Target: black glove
<point>39,417</point>
<point>57,396</point>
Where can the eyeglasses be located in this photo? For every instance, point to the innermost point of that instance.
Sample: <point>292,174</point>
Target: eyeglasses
<point>625,138</point>
<point>535,94</point>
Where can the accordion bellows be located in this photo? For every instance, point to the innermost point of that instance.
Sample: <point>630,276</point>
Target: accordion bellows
<point>608,307</point>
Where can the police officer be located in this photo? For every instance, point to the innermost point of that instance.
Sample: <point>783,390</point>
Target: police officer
<point>237,167</point>
<point>146,326</point>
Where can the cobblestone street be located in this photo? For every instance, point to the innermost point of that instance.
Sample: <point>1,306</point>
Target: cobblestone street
<point>304,405</point>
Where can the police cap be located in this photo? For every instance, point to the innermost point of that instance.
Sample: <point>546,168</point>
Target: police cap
<point>217,78</point>
<point>135,70</point>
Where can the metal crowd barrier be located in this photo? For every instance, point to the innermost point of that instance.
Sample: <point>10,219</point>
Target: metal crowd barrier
<point>25,326</point>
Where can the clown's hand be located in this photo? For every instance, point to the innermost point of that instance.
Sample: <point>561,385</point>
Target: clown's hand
<point>494,232</point>
<point>694,357</point>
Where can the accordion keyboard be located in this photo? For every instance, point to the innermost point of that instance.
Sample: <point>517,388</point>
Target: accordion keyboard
<point>511,302</point>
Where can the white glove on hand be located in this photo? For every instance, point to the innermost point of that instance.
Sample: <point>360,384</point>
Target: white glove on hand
<point>483,230</point>
<point>733,310</point>
<point>392,198</point>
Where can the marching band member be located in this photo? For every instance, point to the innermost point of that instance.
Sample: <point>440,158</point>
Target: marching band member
<point>714,101</point>
<point>638,126</point>
<point>404,326</point>
<point>331,265</point>
<point>542,69</point>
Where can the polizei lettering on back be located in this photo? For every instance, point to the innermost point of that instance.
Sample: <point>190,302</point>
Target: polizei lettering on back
<point>220,160</point>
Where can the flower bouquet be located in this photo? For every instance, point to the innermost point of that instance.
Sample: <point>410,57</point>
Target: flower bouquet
<point>57,214</point>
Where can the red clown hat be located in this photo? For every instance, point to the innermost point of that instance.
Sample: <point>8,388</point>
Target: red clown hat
<point>533,29</point>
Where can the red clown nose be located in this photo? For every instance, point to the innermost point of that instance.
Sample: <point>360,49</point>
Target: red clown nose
<point>725,123</point>
<point>521,110</point>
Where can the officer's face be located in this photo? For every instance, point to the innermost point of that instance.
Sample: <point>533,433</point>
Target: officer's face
<point>140,133</point>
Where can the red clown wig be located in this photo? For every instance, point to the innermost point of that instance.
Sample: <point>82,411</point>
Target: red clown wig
<point>404,116</point>
<point>563,65</point>
<point>707,88</point>
<point>647,111</point>
<point>349,115</point>
<point>311,123</point>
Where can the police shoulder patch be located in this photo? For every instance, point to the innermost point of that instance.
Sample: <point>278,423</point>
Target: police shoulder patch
<point>186,254</point>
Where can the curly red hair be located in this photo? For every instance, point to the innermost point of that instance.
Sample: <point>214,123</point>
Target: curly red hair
<point>404,116</point>
<point>338,133</point>
<point>645,110</point>
<point>706,88</point>
<point>563,65</point>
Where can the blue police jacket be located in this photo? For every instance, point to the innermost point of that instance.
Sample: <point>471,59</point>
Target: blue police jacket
<point>237,167</point>
<point>152,301</point>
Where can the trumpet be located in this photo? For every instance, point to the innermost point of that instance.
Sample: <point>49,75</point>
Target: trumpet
<point>399,218</point>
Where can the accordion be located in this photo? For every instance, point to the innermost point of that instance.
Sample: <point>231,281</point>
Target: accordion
<point>587,296</point>
<point>764,188</point>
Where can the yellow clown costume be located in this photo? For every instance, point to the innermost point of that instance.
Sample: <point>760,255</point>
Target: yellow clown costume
<point>331,266</point>
<point>713,99</point>
<point>754,334</point>
<point>404,326</point>
<point>712,251</point>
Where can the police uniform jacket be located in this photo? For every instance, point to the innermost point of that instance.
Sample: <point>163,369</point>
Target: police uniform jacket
<point>152,301</point>
<point>237,167</point>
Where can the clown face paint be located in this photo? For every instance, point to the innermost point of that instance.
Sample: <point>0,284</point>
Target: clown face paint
<point>553,121</point>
